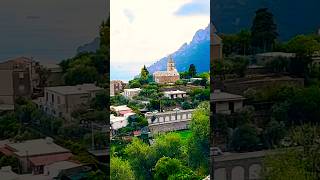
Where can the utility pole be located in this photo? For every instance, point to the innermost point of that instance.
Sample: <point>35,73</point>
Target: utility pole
<point>92,136</point>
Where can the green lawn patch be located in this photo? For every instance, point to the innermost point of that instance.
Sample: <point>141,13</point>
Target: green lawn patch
<point>184,134</point>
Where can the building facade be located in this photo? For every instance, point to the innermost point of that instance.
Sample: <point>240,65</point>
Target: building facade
<point>226,103</point>
<point>169,121</point>
<point>33,155</point>
<point>130,93</point>
<point>175,94</point>
<point>61,101</point>
<point>215,44</point>
<point>169,76</point>
<point>116,86</point>
<point>18,78</point>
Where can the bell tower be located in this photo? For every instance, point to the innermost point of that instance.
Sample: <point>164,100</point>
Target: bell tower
<point>170,64</point>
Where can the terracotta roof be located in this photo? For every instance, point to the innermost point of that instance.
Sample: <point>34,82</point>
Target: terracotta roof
<point>6,151</point>
<point>49,159</point>
<point>136,133</point>
<point>125,112</point>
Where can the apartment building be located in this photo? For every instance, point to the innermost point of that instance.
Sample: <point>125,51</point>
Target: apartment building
<point>226,103</point>
<point>116,86</point>
<point>33,155</point>
<point>18,78</point>
<point>130,93</point>
<point>61,101</point>
<point>175,94</point>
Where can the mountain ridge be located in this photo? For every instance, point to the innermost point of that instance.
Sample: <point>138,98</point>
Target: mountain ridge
<point>196,52</point>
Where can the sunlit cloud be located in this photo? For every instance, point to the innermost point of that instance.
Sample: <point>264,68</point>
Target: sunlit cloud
<point>146,30</point>
<point>196,7</point>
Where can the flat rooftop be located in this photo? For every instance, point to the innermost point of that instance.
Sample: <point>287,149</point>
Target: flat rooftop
<point>36,147</point>
<point>120,108</point>
<point>77,89</point>
<point>133,89</point>
<point>218,96</point>
<point>276,54</point>
<point>175,92</point>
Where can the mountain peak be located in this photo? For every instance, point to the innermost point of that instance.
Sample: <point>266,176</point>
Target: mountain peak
<point>201,35</point>
<point>196,52</point>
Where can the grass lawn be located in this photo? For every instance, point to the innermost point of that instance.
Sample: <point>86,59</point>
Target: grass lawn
<point>184,134</point>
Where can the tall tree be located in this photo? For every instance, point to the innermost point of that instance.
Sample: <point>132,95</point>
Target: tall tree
<point>141,159</point>
<point>192,70</point>
<point>244,39</point>
<point>263,30</point>
<point>245,138</point>
<point>144,74</point>
<point>198,144</point>
<point>166,167</point>
<point>120,169</point>
<point>105,34</point>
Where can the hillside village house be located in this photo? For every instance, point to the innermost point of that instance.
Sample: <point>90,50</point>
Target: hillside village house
<point>169,76</point>
<point>55,76</point>
<point>121,118</point>
<point>116,86</point>
<point>121,110</point>
<point>175,94</point>
<point>18,78</point>
<point>192,80</point>
<point>61,101</point>
<point>263,58</point>
<point>226,103</point>
<point>130,93</point>
<point>33,155</point>
<point>52,171</point>
<point>118,122</point>
<point>215,44</point>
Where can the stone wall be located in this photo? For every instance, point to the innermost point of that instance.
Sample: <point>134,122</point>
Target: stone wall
<point>240,85</point>
<point>169,121</point>
<point>166,79</point>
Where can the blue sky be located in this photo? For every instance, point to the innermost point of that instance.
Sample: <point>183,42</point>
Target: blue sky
<point>143,31</point>
<point>195,7</point>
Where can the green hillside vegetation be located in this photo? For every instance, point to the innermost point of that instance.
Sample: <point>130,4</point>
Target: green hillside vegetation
<point>89,67</point>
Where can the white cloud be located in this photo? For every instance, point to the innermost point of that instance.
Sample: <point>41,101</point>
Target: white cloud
<point>143,31</point>
<point>195,7</point>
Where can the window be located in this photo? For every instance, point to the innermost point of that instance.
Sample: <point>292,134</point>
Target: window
<point>47,96</point>
<point>52,98</point>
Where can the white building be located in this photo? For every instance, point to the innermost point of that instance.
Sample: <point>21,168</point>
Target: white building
<point>118,122</point>
<point>175,94</point>
<point>192,80</point>
<point>129,93</point>
<point>61,101</point>
<point>121,110</point>
<point>226,103</point>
